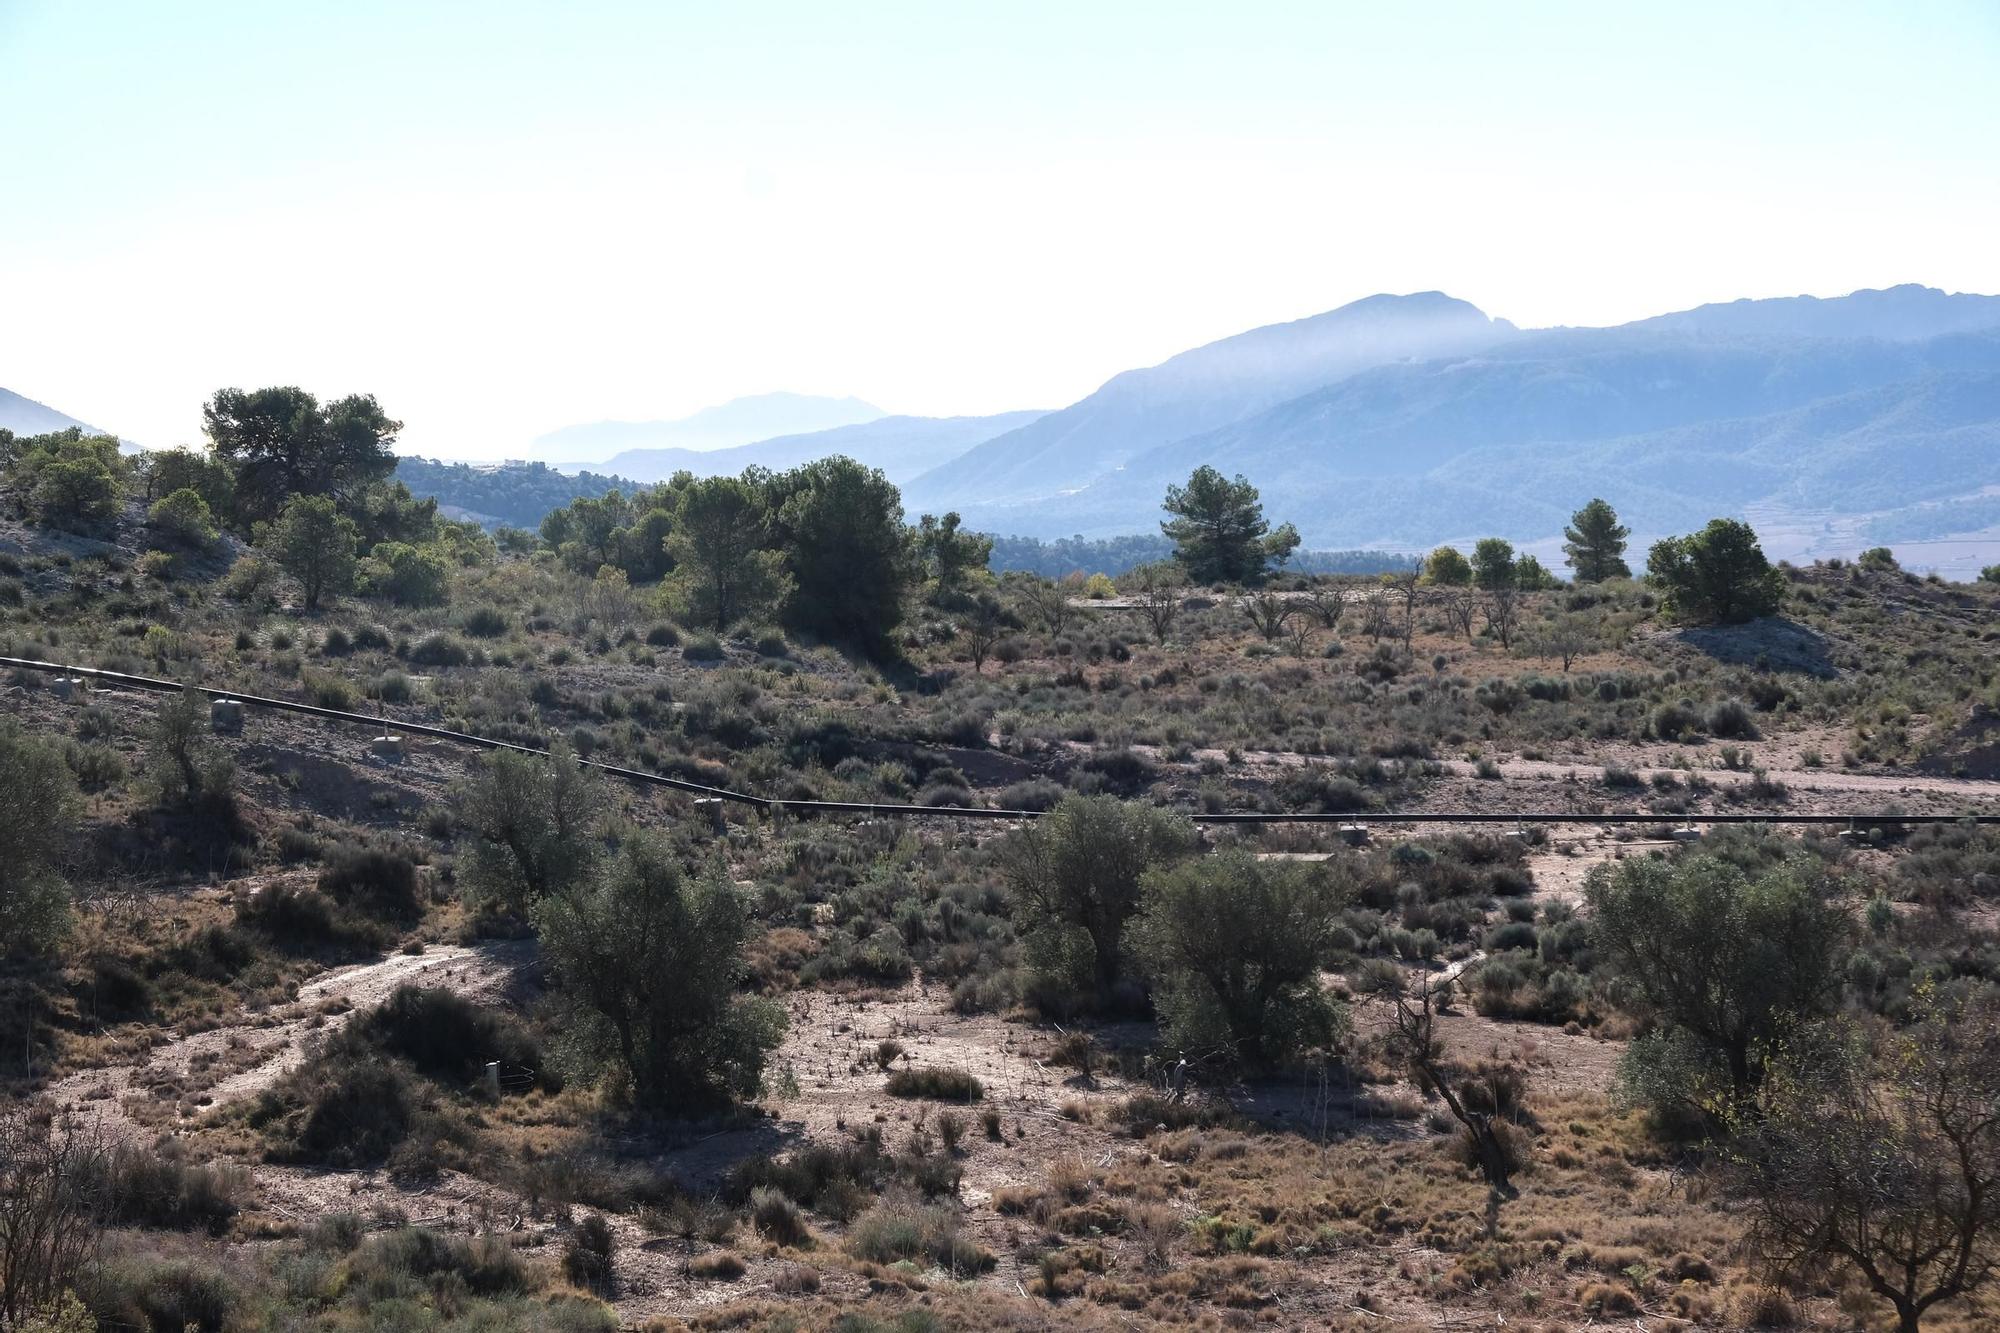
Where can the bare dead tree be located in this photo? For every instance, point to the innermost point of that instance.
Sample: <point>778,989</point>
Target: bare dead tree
<point>1160,588</point>
<point>1049,600</point>
<point>982,629</point>
<point>50,1213</point>
<point>1415,1003</point>
<point>1325,601</point>
<point>1268,609</point>
<point>1406,586</point>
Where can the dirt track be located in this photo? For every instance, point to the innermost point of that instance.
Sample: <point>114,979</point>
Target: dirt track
<point>186,1075</point>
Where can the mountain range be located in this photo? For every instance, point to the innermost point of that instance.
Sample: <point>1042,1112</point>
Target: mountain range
<point>903,447</point>
<point>1421,421</point>
<point>739,421</point>
<point>25,416</point>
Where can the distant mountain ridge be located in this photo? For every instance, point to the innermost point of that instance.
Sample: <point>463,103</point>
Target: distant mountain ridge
<point>1848,405</point>
<point>903,447</point>
<point>1204,388</point>
<point>25,416</point>
<point>738,421</point>
<point>1908,313</point>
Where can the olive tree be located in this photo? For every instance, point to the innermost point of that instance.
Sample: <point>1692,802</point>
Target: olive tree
<point>1234,946</point>
<point>1726,957</point>
<point>1075,874</point>
<point>38,813</point>
<point>1886,1161</point>
<point>532,825</point>
<point>647,961</point>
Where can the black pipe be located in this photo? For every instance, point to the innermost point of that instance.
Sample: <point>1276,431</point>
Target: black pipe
<point>976,812</point>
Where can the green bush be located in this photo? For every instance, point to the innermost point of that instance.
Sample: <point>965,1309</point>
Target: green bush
<point>589,1254</point>
<point>164,1296</point>
<point>379,884</point>
<point>440,650</point>
<point>487,1265</point>
<point>448,1037</point>
<point>1234,946</point>
<point>39,808</point>
<point>304,921</point>
<point>183,517</point>
<point>344,1110</point>
<point>484,622</point>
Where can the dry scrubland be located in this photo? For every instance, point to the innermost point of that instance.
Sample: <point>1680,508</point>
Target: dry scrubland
<point>272,1010</point>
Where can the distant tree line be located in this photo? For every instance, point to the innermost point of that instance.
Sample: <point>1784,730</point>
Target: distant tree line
<point>515,495</point>
<point>1062,556</point>
<point>821,548</point>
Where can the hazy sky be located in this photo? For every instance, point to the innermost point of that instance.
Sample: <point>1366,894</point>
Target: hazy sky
<point>503,218</point>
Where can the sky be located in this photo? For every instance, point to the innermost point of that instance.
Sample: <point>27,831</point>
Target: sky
<point>505,218</point>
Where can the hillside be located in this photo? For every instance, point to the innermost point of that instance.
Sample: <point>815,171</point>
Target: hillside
<point>903,447</point>
<point>25,416</point>
<point>739,421</point>
<point>514,494</point>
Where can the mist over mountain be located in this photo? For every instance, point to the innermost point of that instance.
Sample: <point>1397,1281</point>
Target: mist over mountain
<point>25,416</point>
<point>903,447</point>
<point>1204,388</point>
<point>1813,410</point>
<point>739,421</point>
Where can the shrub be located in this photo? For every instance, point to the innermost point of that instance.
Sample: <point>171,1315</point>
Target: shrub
<point>440,650</point>
<point>1676,720</point>
<point>305,921</point>
<point>777,1219</point>
<point>446,1036</point>
<point>347,1110</point>
<point>1731,720</point>
<point>181,1295</point>
<point>902,1227</point>
<point>487,1265</point>
<point>1034,794</point>
<point>588,1255</point>
<point>719,1266</point>
<point>377,883</point>
<point>161,1188</point>
<point>936,1084</point>
<point>484,622</point>
<point>838,1180</point>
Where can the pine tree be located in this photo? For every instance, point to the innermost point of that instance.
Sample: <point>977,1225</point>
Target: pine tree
<point>1594,542</point>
